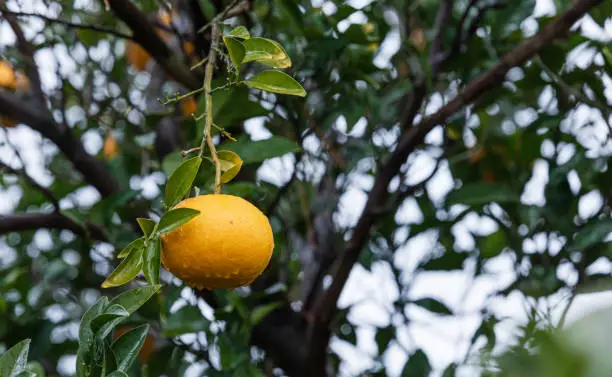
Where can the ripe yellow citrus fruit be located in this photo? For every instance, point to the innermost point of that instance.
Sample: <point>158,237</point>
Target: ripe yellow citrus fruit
<point>137,56</point>
<point>227,245</point>
<point>7,75</point>
<point>189,106</point>
<point>111,147</point>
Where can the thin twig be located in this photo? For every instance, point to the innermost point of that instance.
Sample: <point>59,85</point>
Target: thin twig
<point>96,28</point>
<point>581,97</point>
<point>229,11</point>
<point>207,138</point>
<point>43,190</point>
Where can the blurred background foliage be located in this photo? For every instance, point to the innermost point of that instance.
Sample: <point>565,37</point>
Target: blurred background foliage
<point>520,179</point>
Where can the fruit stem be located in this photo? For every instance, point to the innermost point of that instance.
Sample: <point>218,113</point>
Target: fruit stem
<point>207,138</point>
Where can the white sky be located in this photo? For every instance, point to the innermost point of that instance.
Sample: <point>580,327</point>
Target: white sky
<point>443,339</point>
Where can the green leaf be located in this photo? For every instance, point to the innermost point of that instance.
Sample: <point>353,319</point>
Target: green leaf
<point>138,243</point>
<point>493,244</point>
<point>28,373</point>
<point>383,337</point>
<point>260,150</point>
<point>135,298</point>
<point>433,305</point>
<point>240,32</point>
<point>230,165</point>
<point>147,226</point>
<point>127,270</point>
<point>176,218</point>
<point>266,51</point>
<point>592,234</point>
<point>261,311</point>
<point>181,180</point>
<point>127,346</point>
<point>276,82</point>
<point>186,320</point>
<point>118,373</point>
<point>14,361</point>
<point>236,51</point>
<point>151,264</point>
<point>36,369</point>
<point>86,337</point>
<point>417,365</point>
<point>478,193</point>
<point>110,314</point>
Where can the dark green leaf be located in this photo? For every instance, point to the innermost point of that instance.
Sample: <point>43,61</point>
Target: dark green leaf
<point>28,373</point>
<point>383,337</point>
<point>416,366</point>
<point>260,150</point>
<point>14,361</point>
<point>127,270</point>
<point>236,51</point>
<point>181,180</point>
<point>147,226</point>
<point>187,319</point>
<point>86,337</point>
<point>261,311</point>
<point>433,305</point>
<point>137,244</point>
<point>127,346</point>
<point>592,234</point>
<point>493,244</point>
<point>478,193</point>
<point>276,82</point>
<point>450,371</point>
<point>176,218</point>
<point>36,369</point>
<point>135,298</point>
<point>111,313</point>
<point>152,259</point>
<point>118,373</point>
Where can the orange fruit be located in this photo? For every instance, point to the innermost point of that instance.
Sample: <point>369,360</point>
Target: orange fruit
<point>188,47</point>
<point>7,75</point>
<point>189,106</point>
<point>111,147</point>
<point>477,154</point>
<point>137,56</point>
<point>227,245</point>
<point>148,347</point>
<point>7,122</point>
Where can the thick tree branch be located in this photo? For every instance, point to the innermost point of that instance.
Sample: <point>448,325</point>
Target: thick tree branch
<point>69,24</point>
<point>53,220</point>
<point>93,170</point>
<point>412,137</point>
<point>144,33</point>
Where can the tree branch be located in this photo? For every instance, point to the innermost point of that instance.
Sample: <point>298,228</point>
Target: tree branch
<point>94,171</point>
<point>235,8</point>
<point>144,33</point>
<point>53,220</point>
<point>412,137</point>
<point>27,50</point>
<point>43,190</point>
<point>70,24</point>
<point>442,18</point>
